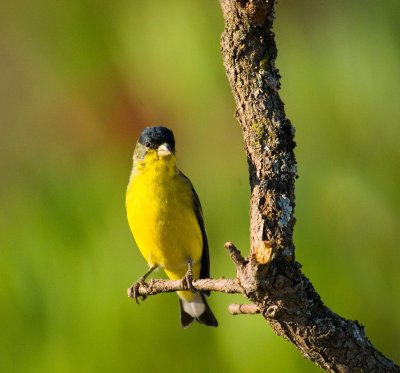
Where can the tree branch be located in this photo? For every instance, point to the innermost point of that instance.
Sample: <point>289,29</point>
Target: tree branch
<point>156,286</point>
<point>271,278</point>
<point>222,285</point>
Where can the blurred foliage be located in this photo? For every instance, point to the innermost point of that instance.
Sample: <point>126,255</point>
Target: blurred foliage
<point>79,79</point>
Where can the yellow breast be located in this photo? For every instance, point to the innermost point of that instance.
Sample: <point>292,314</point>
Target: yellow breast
<point>161,216</point>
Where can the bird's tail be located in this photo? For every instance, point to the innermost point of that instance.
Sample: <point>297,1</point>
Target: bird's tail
<point>196,309</point>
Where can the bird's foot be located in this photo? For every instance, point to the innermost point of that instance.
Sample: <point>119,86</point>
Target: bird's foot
<point>187,282</point>
<point>133,291</point>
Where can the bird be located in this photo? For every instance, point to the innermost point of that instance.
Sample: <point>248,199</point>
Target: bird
<point>166,219</point>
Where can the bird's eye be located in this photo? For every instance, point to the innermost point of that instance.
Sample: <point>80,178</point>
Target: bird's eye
<point>147,144</point>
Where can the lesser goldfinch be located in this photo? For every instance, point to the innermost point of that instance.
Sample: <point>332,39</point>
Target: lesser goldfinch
<point>166,220</point>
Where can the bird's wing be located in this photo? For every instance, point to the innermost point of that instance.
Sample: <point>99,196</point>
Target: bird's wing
<point>205,258</point>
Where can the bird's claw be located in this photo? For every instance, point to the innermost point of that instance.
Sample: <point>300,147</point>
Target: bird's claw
<point>133,291</point>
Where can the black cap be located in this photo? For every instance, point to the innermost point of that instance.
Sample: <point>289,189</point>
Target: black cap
<point>153,137</point>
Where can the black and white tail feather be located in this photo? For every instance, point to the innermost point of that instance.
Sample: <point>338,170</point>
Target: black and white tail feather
<point>197,309</point>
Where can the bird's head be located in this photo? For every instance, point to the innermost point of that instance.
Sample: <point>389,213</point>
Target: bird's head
<point>154,144</point>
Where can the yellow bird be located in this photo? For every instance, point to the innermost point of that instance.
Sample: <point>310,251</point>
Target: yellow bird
<point>166,220</point>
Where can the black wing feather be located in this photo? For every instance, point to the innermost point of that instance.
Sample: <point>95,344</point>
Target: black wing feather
<point>205,258</point>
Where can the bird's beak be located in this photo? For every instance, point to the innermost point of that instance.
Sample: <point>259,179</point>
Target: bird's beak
<point>164,150</point>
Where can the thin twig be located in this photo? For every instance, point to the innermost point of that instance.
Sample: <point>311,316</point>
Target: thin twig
<point>235,254</point>
<point>243,309</point>
<point>156,286</point>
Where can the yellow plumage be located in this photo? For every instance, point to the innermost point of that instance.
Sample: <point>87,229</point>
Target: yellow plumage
<point>160,213</point>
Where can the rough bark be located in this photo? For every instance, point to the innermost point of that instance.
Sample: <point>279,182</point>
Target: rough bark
<point>271,277</point>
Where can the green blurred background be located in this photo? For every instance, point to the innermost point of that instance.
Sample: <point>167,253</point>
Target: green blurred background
<point>78,81</point>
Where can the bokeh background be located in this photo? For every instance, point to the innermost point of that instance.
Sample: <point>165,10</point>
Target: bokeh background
<point>79,79</point>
